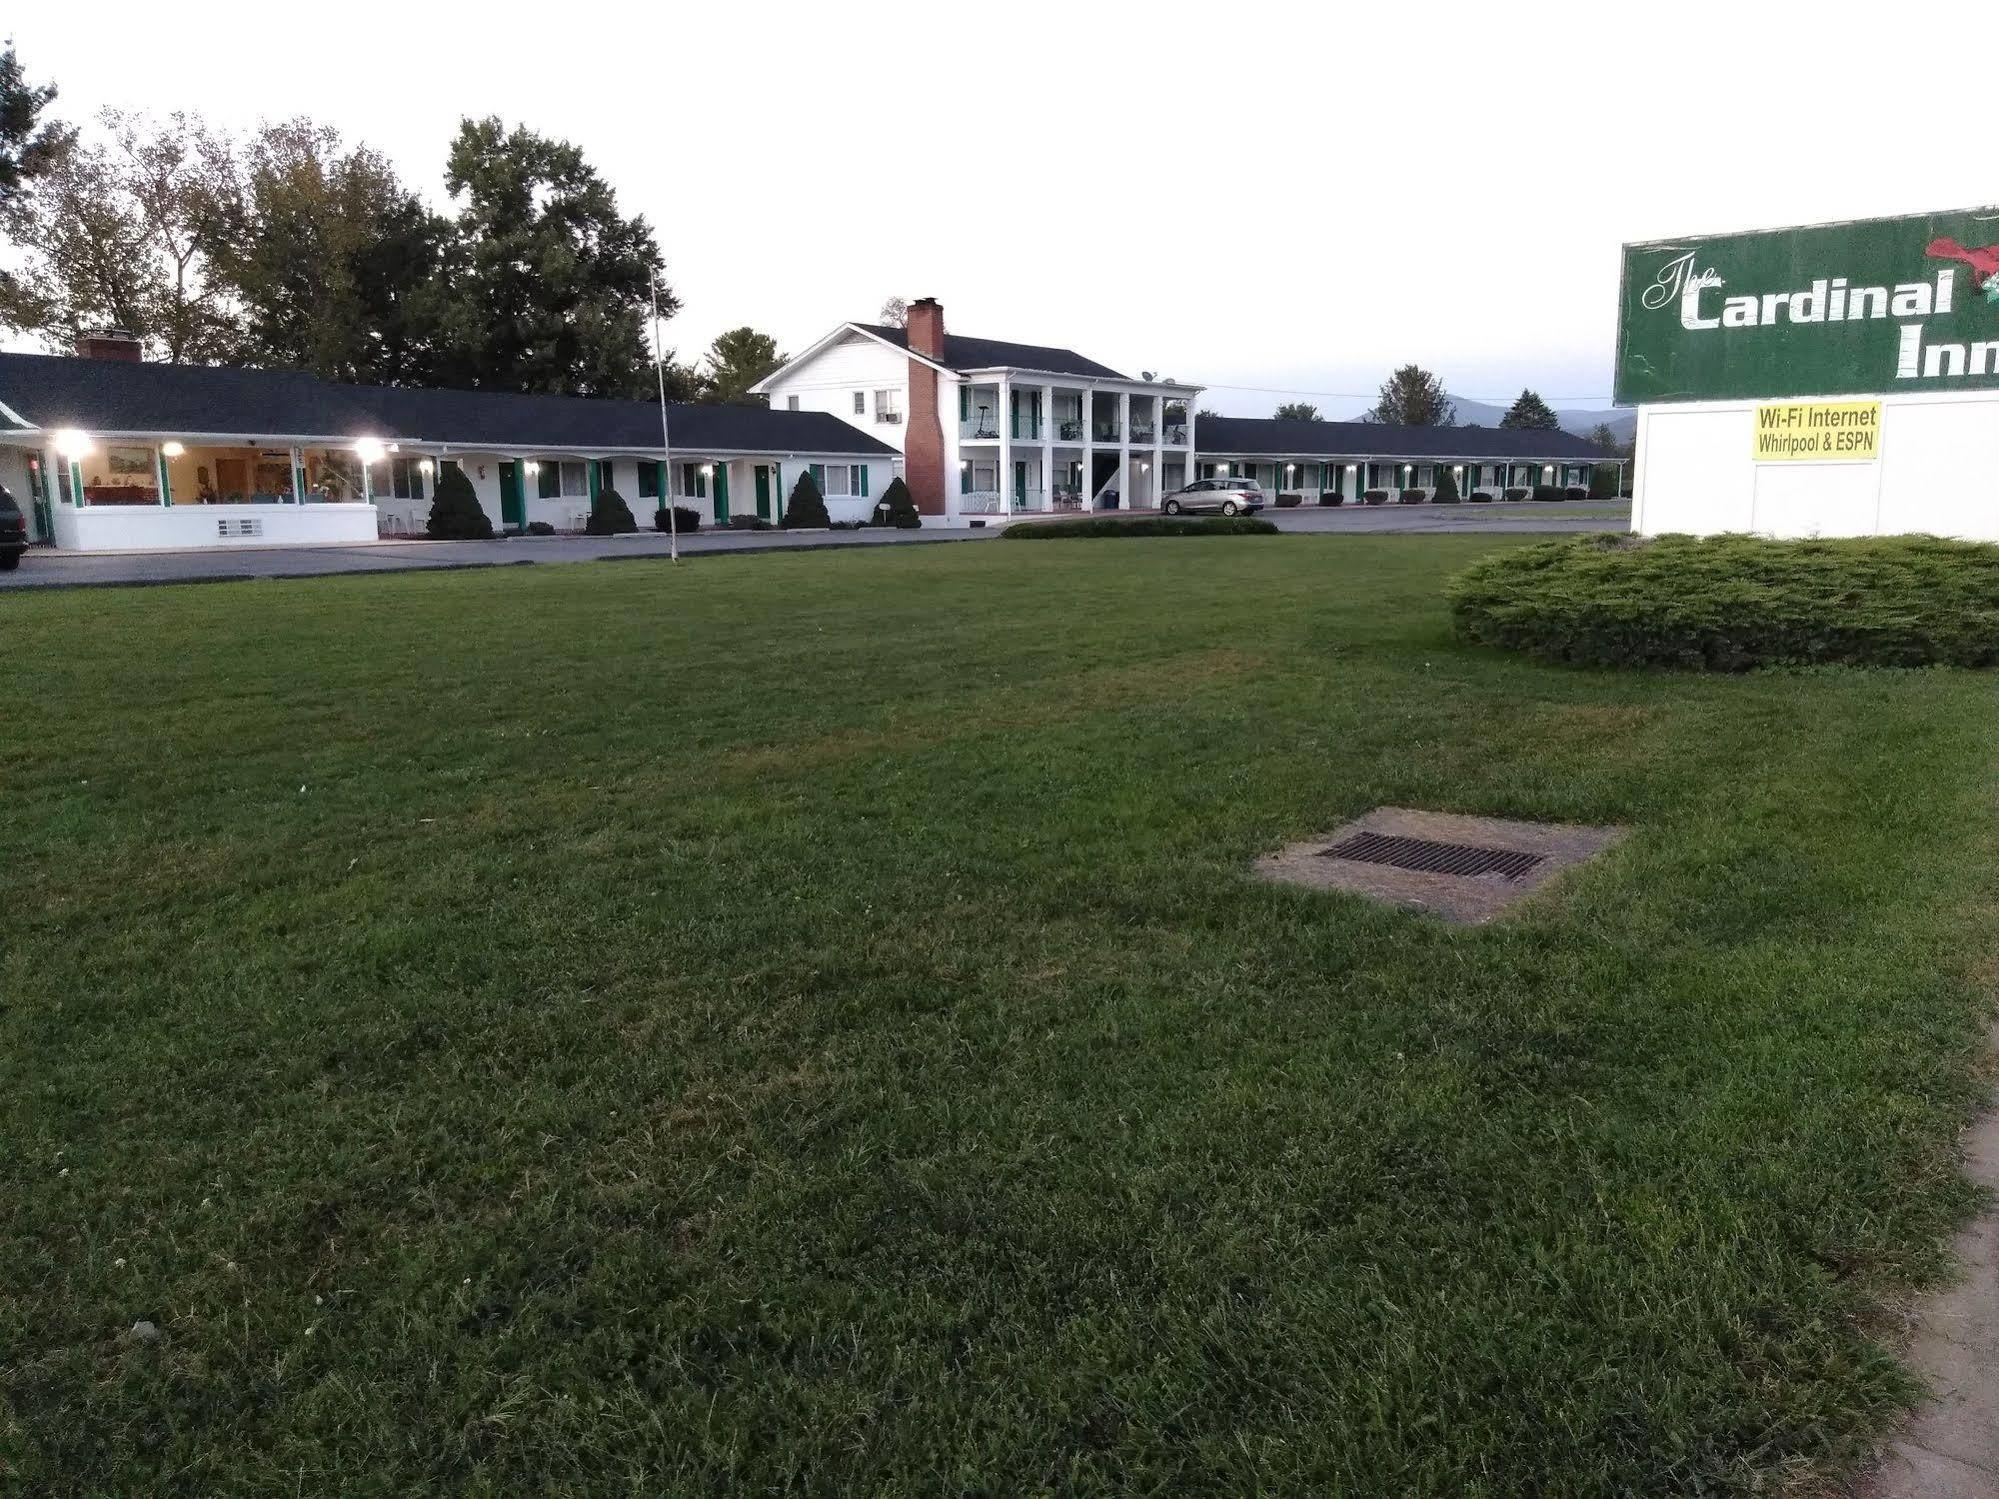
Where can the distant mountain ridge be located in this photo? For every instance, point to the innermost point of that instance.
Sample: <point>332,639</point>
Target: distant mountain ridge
<point>1480,414</point>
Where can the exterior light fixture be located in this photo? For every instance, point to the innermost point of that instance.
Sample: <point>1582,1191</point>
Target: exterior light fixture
<point>426,465</point>
<point>171,450</point>
<point>369,449</point>
<point>72,443</point>
<point>707,468</point>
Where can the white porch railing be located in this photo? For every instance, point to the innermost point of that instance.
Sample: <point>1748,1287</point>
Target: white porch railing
<point>979,502</point>
<point>1029,500</point>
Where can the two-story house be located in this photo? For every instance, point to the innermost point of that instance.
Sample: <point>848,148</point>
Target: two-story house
<point>989,428</point>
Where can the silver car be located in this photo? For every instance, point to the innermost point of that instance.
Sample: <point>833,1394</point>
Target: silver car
<point>1229,496</point>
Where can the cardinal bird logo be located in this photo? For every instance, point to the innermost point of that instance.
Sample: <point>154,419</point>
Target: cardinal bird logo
<point>1984,263</point>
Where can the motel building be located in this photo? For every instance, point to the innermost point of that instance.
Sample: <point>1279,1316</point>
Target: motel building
<point>1827,380</point>
<point>107,453</point>
<point>991,429</point>
<point>1311,463</point>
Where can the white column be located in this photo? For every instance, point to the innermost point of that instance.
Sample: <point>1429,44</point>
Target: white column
<point>1124,449</point>
<point>1158,447</point>
<point>1089,485</point>
<point>1048,446</point>
<point>1192,450</point>
<point>1006,444</point>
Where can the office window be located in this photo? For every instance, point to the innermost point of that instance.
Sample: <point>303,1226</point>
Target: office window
<point>860,403</point>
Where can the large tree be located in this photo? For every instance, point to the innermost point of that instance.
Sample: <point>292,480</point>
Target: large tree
<point>1413,397</point>
<point>29,144</point>
<point>552,291</point>
<point>1298,411</point>
<point>736,361</point>
<point>895,313</point>
<point>113,234</point>
<point>1530,412</point>
<point>337,267</point>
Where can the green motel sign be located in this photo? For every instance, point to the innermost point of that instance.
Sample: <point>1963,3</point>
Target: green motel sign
<point>1875,306</point>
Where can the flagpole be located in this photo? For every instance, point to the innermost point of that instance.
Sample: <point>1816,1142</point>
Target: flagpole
<point>665,437</point>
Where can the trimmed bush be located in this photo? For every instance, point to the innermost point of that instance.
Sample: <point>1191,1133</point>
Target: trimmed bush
<point>897,508</point>
<point>1289,501</point>
<point>455,511</point>
<point>610,515</point>
<point>1331,497</point>
<point>1546,493</point>
<point>806,509</point>
<point>1142,525</point>
<point>1603,482</point>
<point>750,523</point>
<point>1728,603</point>
<point>683,519</point>
<point>1410,497</point>
<point>1575,492</point>
<point>1376,497</point>
<point>540,528</point>
<point>1447,486</point>
<point>1515,494</point>
<point>1480,497</point>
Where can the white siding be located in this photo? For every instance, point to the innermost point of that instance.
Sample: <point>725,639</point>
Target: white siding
<point>828,380</point>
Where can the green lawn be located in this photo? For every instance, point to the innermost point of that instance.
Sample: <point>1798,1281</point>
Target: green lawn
<point>797,1024</point>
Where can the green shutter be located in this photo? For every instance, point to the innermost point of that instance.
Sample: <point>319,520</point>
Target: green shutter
<point>964,403</point>
<point>819,476</point>
<point>166,484</point>
<point>864,481</point>
<point>964,478</point>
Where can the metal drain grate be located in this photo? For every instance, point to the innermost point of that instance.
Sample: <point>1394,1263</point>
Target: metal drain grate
<point>1464,860</point>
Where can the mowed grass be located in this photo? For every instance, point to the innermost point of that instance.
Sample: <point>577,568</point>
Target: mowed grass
<point>799,1024</point>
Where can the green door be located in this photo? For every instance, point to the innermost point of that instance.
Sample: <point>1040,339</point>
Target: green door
<point>513,500</point>
<point>721,494</point>
<point>763,491</point>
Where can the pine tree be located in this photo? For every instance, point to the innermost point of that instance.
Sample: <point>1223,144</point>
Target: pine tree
<point>1446,492</point>
<point>897,508</point>
<point>455,511</point>
<point>1531,413</point>
<point>806,509</point>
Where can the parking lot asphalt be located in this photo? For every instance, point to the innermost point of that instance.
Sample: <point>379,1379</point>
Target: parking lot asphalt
<point>47,568</point>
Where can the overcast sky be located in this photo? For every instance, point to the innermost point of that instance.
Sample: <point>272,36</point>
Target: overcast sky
<point>1261,198</point>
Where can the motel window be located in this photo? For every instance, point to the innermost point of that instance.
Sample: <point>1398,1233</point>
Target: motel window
<point>116,475</point>
<point>648,479</point>
<point>860,403</point>
<point>888,405</point>
<point>841,480</point>
<point>404,480</point>
<point>1425,479</point>
<point>568,479</point>
<point>791,403</point>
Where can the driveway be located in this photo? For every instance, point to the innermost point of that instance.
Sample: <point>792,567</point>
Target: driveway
<point>44,568</point>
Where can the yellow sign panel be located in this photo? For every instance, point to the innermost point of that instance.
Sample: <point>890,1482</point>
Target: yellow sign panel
<point>1819,432</point>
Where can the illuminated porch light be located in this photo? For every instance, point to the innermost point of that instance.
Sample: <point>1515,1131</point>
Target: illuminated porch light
<point>369,449</point>
<point>533,467</point>
<point>426,465</point>
<point>72,443</point>
<point>171,450</point>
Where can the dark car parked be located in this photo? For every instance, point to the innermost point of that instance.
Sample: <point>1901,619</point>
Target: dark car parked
<point>13,532</point>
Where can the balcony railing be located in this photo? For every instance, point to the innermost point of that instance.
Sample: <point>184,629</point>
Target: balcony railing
<point>1176,434</point>
<point>1104,431</point>
<point>979,429</point>
<point>979,502</point>
<point>1141,432</point>
<point>1070,429</point>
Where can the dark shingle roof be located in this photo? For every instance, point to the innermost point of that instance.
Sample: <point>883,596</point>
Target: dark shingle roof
<point>1267,435</point>
<point>961,353</point>
<point>108,395</point>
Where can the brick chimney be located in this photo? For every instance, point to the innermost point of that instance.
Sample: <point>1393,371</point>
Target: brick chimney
<point>925,324</point>
<point>923,442</point>
<point>110,343</point>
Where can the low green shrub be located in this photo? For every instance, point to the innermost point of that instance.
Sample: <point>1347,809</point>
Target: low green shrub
<point>1290,501</point>
<point>1514,494</point>
<point>1575,492</point>
<point>1480,497</point>
<point>1376,497</point>
<point>682,520</point>
<point>1446,492</point>
<point>609,515</point>
<point>1546,493</point>
<point>1729,603</point>
<point>1142,525</point>
<point>455,511</point>
<point>897,508</point>
<point>540,528</point>
<point>1410,497</point>
<point>1331,497</point>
